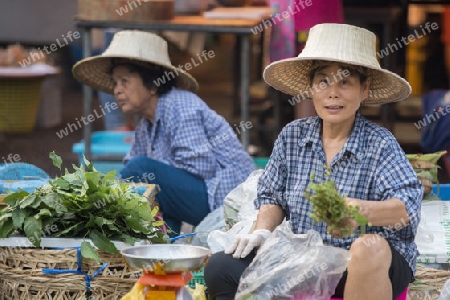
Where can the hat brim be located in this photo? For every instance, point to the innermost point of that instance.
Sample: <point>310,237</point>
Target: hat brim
<point>95,72</point>
<point>291,76</point>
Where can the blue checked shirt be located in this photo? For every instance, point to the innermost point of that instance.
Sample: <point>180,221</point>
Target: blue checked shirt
<point>188,135</point>
<point>370,166</point>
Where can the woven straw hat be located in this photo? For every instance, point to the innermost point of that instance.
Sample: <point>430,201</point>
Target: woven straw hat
<point>337,43</point>
<point>138,47</point>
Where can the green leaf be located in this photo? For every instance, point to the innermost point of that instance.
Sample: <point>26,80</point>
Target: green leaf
<point>135,224</point>
<point>27,201</point>
<point>155,211</point>
<point>33,229</point>
<point>88,251</point>
<point>44,212</point>
<point>6,216</point>
<point>6,228</point>
<point>72,229</point>
<point>36,203</point>
<point>52,200</point>
<point>100,221</point>
<point>88,164</point>
<point>18,217</point>
<point>102,242</point>
<point>158,223</point>
<point>61,183</point>
<point>57,161</point>
<point>12,199</point>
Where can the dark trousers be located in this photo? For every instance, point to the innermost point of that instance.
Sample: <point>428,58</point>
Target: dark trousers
<point>223,272</point>
<point>183,197</point>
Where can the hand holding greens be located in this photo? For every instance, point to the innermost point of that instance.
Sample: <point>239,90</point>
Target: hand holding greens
<point>329,206</point>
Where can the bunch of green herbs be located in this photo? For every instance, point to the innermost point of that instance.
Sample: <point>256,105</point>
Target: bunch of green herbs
<point>330,207</point>
<point>83,204</point>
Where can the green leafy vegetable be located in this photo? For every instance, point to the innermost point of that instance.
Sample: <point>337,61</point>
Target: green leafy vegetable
<point>82,204</point>
<point>329,206</point>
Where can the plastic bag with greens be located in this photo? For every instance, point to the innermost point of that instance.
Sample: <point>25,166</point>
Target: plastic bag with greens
<point>292,265</point>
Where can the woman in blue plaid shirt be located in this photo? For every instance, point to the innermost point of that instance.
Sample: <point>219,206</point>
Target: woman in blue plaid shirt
<point>182,145</point>
<point>339,71</point>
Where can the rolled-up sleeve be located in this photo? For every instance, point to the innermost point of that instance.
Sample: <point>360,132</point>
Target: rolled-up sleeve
<point>397,179</point>
<point>272,183</point>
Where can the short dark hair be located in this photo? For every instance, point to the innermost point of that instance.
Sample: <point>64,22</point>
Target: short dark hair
<point>150,75</point>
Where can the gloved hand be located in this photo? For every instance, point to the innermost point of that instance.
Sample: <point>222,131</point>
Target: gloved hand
<point>243,244</point>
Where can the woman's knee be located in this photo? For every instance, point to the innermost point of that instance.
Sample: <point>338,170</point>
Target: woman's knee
<point>372,251</point>
<point>218,264</point>
<point>136,169</point>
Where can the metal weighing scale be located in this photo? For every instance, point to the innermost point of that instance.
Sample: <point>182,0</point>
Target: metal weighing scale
<point>167,268</point>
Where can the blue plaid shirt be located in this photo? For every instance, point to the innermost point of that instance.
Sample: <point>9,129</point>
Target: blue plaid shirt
<point>188,135</point>
<point>370,166</point>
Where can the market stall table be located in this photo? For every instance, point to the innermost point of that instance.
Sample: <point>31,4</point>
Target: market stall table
<point>242,28</point>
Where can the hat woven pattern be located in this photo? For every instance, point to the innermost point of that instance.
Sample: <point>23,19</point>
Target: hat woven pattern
<point>338,43</point>
<point>142,48</point>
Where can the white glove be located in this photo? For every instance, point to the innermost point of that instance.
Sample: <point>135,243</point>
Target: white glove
<point>243,244</point>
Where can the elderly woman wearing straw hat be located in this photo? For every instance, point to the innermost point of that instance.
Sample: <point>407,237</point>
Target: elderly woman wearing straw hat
<point>180,144</point>
<point>339,71</point>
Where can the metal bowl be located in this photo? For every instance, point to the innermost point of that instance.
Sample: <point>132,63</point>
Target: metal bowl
<point>166,257</point>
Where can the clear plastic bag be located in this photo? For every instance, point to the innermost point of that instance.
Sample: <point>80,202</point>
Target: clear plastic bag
<point>215,220</point>
<point>292,265</point>
<point>445,292</point>
<point>238,204</point>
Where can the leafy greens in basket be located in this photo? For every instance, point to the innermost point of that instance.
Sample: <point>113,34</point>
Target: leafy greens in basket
<point>82,204</point>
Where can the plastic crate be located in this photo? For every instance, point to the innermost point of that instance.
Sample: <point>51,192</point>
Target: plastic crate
<point>107,143</point>
<point>444,191</point>
<point>198,277</point>
<point>260,162</point>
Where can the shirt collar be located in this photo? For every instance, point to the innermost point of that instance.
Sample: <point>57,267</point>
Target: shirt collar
<point>313,127</point>
<point>352,145</point>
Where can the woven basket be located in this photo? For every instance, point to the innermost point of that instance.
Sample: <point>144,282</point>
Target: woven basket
<point>19,103</point>
<point>428,284</point>
<point>21,275</point>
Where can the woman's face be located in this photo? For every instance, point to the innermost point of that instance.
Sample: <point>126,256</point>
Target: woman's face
<point>130,92</point>
<point>337,94</point>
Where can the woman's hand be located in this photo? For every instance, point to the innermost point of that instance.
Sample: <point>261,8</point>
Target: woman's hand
<point>350,226</point>
<point>347,222</point>
<point>243,244</point>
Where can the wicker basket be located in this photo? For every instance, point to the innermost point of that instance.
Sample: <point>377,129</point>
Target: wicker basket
<point>21,275</point>
<point>428,284</point>
<point>19,103</point>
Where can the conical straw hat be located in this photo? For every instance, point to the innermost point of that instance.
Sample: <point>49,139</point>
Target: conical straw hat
<point>337,43</point>
<point>139,47</point>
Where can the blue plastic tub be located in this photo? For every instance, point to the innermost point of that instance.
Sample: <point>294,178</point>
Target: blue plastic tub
<point>444,191</point>
<point>112,143</point>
